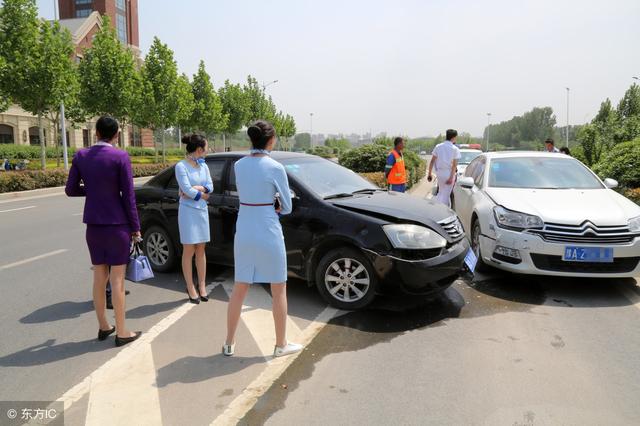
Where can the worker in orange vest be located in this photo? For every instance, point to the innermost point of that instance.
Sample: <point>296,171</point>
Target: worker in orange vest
<point>395,171</point>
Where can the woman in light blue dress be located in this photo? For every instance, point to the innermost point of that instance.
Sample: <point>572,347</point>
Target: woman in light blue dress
<point>195,184</point>
<point>259,249</point>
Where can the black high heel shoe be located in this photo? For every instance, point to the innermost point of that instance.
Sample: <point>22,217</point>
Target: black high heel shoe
<point>194,300</point>
<point>103,334</point>
<point>121,341</point>
<point>204,298</point>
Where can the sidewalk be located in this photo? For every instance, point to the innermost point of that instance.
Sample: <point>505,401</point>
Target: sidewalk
<point>57,190</point>
<point>422,189</point>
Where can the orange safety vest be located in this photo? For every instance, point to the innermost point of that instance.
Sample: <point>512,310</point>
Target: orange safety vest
<point>398,174</point>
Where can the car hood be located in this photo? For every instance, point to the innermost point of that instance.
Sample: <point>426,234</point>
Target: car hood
<point>602,207</point>
<point>396,207</point>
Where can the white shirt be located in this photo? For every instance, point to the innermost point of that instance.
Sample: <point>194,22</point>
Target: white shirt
<point>445,152</point>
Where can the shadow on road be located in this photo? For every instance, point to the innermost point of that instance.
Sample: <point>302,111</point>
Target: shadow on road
<point>57,312</point>
<point>551,291</point>
<point>193,369</point>
<point>47,352</point>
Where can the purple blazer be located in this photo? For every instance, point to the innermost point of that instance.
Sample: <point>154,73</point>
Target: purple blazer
<point>108,186</point>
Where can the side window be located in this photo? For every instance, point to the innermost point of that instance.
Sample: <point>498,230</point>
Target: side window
<point>478,172</point>
<point>232,189</point>
<point>470,168</point>
<point>216,168</point>
<point>173,183</point>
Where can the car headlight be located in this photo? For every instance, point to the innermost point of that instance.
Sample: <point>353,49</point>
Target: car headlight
<point>405,236</point>
<point>516,220</point>
<point>634,224</point>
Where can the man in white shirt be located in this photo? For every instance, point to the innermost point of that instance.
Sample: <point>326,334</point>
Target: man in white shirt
<point>445,158</point>
<point>550,146</point>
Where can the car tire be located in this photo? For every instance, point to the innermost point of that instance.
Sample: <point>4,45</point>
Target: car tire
<point>481,266</point>
<point>159,249</point>
<point>338,284</point>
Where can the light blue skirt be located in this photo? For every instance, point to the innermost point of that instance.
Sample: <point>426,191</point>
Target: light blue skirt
<point>193,225</point>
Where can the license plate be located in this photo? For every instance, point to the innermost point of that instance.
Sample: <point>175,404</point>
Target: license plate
<point>588,254</point>
<point>471,260</point>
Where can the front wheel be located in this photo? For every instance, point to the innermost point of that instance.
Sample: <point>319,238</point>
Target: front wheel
<point>481,266</point>
<point>159,249</point>
<point>346,279</point>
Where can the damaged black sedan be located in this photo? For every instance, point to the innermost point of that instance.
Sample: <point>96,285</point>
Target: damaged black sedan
<point>349,238</point>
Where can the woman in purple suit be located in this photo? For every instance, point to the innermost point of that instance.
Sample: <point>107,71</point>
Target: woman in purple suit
<point>112,220</point>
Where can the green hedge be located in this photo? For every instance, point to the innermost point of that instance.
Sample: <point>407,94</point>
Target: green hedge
<point>373,158</point>
<point>28,152</point>
<point>36,179</point>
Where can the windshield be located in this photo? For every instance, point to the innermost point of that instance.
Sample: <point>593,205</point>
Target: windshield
<point>467,156</point>
<point>325,177</point>
<point>541,173</point>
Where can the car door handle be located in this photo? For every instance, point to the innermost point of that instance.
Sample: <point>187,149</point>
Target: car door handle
<point>229,209</point>
<point>169,199</point>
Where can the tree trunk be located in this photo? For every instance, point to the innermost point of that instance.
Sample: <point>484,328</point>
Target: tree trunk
<point>155,146</point>
<point>224,142</point>
<point>164,157</point>
<point>43,148</point>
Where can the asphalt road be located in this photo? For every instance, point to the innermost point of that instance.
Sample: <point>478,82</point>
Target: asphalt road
<point>497,350</point>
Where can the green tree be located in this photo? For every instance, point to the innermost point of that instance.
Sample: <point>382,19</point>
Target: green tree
<point>162,90</point>
<point>186,103</point>
<point>302,141</point>
<point>208,115</point>
<point>338,145</point>
<point>629,115</point>
<point>285,127</point>
<point>234,107</point>
<point>19,33</point>
<point>5,99</point>
<point>260,106</point>
<point>50,74</point>
<point>109,80</point>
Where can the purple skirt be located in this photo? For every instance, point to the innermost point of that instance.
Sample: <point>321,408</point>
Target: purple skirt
<point>109,244</point>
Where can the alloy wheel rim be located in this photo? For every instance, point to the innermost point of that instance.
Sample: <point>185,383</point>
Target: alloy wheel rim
<point>475,239</point>
<point>347,280</point>
<point>158,248</point>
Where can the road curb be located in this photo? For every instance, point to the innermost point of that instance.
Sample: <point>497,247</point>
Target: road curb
<point>51,191</point>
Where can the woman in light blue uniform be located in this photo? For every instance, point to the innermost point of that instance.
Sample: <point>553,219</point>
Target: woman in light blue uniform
<point>195,184</point>
<point>259,249</point>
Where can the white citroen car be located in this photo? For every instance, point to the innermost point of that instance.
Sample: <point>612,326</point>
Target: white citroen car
<point>547,214</point>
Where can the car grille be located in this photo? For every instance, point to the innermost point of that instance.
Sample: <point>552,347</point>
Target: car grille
<point>556,264</point>
<point>453,227</point>
<point>586,233</point>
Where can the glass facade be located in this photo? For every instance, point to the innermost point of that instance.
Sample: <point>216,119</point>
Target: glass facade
<point>121,5</point>
<point>84,2</point>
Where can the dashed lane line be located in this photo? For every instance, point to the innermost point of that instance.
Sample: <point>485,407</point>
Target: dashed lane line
<point>32,259</point>
<point>18,209</point>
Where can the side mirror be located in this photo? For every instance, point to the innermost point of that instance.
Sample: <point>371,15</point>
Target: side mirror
<point>610,183</point>
<point>466,182</point>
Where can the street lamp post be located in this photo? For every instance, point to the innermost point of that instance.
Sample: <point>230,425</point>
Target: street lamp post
<point>311,129</point>
<point>265,85</point>
<point>63,130</point>
<point>567,132</point>
<point>488,129</point>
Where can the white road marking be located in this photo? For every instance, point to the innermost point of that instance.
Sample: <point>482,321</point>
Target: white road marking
<point>18,209</point>
<point>127,393</point>
<point>256,315</point>
<point>77,214</point>
<point>35,197</point>
<point>240,406</point>
<point>32,259</point>
<point>127,364</point>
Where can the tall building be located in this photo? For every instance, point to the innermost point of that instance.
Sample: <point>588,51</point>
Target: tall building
<point>122,13</point>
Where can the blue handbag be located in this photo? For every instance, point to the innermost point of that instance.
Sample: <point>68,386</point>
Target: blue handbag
<point>138,268</point>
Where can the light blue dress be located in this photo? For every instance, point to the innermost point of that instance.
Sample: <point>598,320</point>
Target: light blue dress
<point>259,250</point>
<point>193,213</point>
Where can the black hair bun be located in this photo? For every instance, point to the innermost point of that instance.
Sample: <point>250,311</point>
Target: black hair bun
<point>186,139</point>
<point>254,132</point>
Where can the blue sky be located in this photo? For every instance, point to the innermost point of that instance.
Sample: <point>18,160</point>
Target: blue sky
<point>407,66</point>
